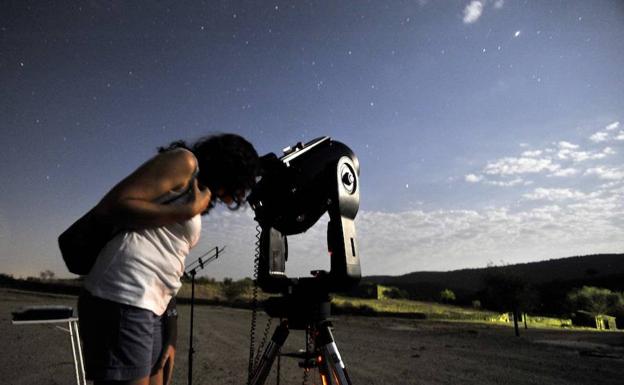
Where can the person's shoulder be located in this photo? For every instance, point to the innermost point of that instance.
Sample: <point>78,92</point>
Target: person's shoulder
<point>181,157</point>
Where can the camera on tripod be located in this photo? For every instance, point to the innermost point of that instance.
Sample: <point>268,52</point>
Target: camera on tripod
<point>293,193</point>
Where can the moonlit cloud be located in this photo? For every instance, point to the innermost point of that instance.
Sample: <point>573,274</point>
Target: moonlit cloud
<point>565,222</point>
<point>612,126</point>
<point>472,178</point>
<point>473,12</point>
<point>565,172</point>
<point>505,183</point>
<point>567,145</point>
<point>513,166</point>
<point>532,154</point>
<point>606,173</point>
<point>599,136</point>
<point>581,156</point>
<point>431,240</point>
<point>553,194</point>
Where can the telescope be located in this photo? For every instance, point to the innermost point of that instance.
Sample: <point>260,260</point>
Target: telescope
<point>294,191</point>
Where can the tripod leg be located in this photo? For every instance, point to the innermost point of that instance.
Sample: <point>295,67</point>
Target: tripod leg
<point>330,364</point>
<point>261,371</point>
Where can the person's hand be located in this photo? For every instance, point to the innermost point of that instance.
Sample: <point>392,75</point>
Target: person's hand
<point>165,362</point>
<point>201,198</point>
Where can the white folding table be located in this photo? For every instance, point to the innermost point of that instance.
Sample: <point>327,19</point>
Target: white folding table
<point>51,315</point>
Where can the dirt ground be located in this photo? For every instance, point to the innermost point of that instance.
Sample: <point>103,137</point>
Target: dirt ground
<point>375,350</point>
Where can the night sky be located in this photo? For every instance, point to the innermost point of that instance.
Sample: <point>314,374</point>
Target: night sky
<point>487,131</point>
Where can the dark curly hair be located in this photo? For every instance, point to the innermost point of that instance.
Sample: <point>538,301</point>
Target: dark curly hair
<point>226,161</point>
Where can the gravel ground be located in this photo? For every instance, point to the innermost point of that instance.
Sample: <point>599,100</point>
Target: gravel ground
<point>375,350</point>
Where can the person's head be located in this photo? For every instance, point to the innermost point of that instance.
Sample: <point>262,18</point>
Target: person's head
<point>228,166</point>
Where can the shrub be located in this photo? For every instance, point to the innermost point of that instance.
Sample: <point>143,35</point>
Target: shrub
<point>233,290</point>
<point>595,300</point>
<point>447,296</point>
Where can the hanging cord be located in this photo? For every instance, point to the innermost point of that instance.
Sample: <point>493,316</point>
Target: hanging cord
<point>279,363</point>
<point>260,348</point>
<point>308,338</point>
<point>254,306</point>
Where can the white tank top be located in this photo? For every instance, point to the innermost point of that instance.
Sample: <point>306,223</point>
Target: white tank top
<point>142,268</point>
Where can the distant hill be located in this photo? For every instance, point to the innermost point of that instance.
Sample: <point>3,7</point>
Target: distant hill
<point>604,270</point>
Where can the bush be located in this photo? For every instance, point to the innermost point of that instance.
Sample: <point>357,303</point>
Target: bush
<point>447,296</point>
<point>233,290</point>
<point>596,300</point>
<point>396,293</point>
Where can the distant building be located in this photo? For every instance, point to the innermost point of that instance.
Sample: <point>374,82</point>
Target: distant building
<point>596,321</point>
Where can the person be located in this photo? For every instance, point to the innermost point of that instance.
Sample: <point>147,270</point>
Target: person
<point>127,308</point>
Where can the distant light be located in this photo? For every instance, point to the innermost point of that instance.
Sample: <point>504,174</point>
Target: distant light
<point>517,33</point>
<point>406,185</point>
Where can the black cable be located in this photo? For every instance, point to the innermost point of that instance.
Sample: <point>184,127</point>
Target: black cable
<point>260,348</point>
<point>254,306</point>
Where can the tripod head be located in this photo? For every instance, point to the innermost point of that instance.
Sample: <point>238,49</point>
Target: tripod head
<point>294,191</point>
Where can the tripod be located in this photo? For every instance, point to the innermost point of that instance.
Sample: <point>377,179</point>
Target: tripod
<point>191,270</point>
<point>306,308</point>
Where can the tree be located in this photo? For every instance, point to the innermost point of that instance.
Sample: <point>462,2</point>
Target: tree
<point>447,296</point>
<point>396,293</point>
<point>595,300</point>
<point>504,291</point>
<point>232,290</point>
<point>46,274</point>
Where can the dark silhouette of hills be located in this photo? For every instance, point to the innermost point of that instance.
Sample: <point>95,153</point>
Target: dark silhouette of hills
<point>554,276</point>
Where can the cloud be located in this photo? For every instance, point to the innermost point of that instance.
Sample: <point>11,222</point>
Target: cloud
<point>606,173</point>
<point>525,165</point>
<point>567,145</point>
<point>564,172</point>
<point>472,178</point>
<point>612,126</point>
<point>532,154</point>
<point>396,243</point>
<point>508,183</point>
<point>554,194</point>
<point>566,153</point>
<point>599,136</point>
<point>498,4</point>
<point>473,11</point>
<point>556,222</point>
<point>620,136</point>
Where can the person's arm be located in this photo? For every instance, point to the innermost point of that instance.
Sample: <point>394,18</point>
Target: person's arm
<point>130,203</point>
<point>171,323</point>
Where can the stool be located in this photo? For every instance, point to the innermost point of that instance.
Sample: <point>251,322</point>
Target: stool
<point>56,314</point>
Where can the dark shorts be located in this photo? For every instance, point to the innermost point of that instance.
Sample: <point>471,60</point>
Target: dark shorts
<point>120,342</point>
